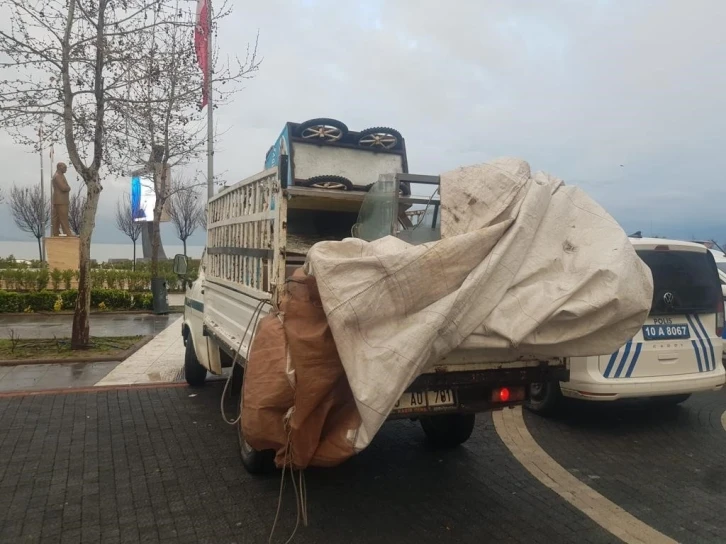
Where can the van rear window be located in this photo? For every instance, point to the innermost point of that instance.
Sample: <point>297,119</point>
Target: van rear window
<point>683,281</point>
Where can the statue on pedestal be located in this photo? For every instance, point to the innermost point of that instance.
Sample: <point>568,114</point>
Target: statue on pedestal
<point>61,201</point>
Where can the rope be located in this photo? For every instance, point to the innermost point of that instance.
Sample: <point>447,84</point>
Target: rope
<point>253,318</point>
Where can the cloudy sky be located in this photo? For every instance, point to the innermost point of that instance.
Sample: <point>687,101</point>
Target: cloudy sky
<point>578,88</point>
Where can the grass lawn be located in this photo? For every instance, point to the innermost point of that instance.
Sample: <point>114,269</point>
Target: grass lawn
<point>60,348</point>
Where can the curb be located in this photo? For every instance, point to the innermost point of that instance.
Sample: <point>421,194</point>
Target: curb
<point>92,389</point>
<point>172,310</point>
<point>99,359</point>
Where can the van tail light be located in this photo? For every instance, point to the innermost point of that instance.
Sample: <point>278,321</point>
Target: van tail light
<point>719,318</point>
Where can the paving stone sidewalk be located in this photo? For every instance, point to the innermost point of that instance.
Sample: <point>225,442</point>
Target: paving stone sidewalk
<point>149,464</point>
<point>159,361</point>
<point>664,465</point>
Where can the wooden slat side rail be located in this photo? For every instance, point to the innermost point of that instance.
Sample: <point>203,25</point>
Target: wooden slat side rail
<point>240,243</point>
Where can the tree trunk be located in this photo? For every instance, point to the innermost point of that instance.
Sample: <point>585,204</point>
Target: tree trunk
<point>40,250</point>
<point>160,190</point>
<point>80,336</point>
<point>155,243</point>
<point>184,241</point>
<point>133,263</point>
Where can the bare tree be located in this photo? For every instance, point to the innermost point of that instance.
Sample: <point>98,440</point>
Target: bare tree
<point>2,195</point>
<point>73,66</point>
<point>185,209</point>
<point>75,211</point>
<point>125,222</point>
<point>31,212</point>
<point>203,217</point>
<point>163,115</point>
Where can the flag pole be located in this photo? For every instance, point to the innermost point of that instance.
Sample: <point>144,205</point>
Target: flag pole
<point>210,107</point>
<point>42,178</point>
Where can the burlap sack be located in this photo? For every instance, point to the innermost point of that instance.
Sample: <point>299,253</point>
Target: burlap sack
<point>312,381</point>
<point>325,410</point>
<point>267,391</point>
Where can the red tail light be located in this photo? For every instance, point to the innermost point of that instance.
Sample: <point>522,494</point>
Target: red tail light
<point>719,317</point>
<point>508,394</point>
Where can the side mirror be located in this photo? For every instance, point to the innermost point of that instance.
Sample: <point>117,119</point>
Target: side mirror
<point>180,265</point>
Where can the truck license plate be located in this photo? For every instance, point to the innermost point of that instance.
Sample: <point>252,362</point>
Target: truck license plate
<point>418,400</point>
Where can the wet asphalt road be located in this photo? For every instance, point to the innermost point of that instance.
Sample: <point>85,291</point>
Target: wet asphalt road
<point>59,326</point>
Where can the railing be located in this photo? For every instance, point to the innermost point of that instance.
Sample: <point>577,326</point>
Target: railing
<point>244,251</point>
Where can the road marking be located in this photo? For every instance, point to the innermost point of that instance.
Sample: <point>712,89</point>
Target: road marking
<point>723,421</point>
<point>512,430</point>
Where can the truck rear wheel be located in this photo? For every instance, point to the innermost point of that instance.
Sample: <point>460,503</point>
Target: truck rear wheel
<point>449,430</point>
<point>254,461</point>
<point>194,372</point>
<point>544,397</point>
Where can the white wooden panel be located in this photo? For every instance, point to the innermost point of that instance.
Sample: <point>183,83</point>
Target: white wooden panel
<point>360,166</point>
<point>241,218</point>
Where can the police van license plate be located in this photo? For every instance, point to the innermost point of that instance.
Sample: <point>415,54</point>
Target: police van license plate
<point>666,332</point>
<point>420,400</point>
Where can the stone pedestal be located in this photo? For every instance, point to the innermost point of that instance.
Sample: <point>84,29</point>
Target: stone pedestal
<point>62,252</point>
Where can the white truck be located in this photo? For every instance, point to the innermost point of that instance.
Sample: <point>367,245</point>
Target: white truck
<point>259,231</point>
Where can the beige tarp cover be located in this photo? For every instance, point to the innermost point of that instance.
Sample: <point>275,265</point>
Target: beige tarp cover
<point>526,267</point>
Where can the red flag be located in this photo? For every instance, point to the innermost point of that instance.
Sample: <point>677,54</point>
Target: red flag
<point>201,44</point>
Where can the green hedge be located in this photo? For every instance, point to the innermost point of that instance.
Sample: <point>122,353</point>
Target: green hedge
<point>129,280</point>
<point>46,301</point>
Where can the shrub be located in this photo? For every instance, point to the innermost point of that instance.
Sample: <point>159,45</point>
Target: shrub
<point>67,276</point>
<point>17,278</point>
<point>144,301</point>
<point>69,299</point>
<point>55,278</point>
<point>50,301</point>
<point>42,279</point>
<point>114,299</point>
<point>11,301</point>
<point>98,278</point>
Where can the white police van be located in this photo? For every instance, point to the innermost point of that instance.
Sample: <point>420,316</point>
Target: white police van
<point>678,351</point>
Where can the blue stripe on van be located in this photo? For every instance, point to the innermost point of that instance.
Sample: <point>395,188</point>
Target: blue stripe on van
<point>625,357</point>
<point>698,355</point>
<point>708,339</point>
<point>611,362</point>
<point>638,347</point>
<point>706,363</point>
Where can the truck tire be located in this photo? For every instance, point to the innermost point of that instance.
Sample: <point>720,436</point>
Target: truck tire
<point>254,461</point>
<point>379,138</point>
<point>323,129</point>
<point>448,431</point>
<point>194,372</point>
<point>544,398</point>
<point>332,183</point>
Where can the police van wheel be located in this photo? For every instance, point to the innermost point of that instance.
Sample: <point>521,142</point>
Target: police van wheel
<point>672,400</point>
<point>544,397</point>
<point>449,430</point>
<point>194,373</point>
